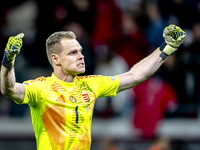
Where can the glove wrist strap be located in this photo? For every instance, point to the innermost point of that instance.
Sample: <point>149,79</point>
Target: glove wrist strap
<point>167,50</point>
<point>7,63</point>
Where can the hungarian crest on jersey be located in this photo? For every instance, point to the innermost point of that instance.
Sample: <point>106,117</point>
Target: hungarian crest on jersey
<point>85,96</point>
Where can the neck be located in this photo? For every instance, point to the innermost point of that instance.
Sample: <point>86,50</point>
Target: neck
<point>64,76</point>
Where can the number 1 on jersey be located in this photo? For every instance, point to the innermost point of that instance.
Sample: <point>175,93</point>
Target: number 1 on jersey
<point>76,111</point>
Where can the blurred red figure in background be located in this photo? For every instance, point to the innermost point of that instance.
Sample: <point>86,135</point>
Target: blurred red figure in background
<point>152,98</point>
<point>107,22</point>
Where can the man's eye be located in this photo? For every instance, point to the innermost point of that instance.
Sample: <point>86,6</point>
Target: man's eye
<point>72,53</point>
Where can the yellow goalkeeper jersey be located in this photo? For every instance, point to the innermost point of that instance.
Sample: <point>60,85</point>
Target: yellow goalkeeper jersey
<point>62,112</point>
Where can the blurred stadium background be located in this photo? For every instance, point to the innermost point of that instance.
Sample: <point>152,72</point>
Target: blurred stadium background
<point>114,34</point>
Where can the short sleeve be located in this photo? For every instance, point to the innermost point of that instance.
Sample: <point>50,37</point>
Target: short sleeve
<point>35,92</point>
<point>104,86</point>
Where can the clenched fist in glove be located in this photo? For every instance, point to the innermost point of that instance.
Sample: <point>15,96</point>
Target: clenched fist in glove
<point>13,48</point>
<point>174,37</point>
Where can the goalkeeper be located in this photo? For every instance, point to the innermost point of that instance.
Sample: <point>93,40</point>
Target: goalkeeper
<point>62,105</point>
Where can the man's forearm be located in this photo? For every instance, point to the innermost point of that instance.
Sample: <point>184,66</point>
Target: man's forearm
<point>147,66</point>
<point>7,80</point>
<point>141,71</point>
<point>9,87</point>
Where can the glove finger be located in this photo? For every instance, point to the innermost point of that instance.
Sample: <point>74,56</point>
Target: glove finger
<point>170,28</point>
<point>16,51</point>
<point>12,51</point>
<point>181,38</point>
<point>170,38</point>
<point>173,31</point>
<point>171,41</point>
<point>168,32</point>
<point>21,35</point>
<point>15,42</point>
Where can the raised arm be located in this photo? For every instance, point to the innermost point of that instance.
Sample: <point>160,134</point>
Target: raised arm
<point>9,87</point>
<point>174,37</point>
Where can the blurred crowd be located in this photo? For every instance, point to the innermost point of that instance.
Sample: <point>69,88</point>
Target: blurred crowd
<point>115,35</point>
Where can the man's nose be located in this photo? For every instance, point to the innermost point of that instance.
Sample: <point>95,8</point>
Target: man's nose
<point>81,56</point>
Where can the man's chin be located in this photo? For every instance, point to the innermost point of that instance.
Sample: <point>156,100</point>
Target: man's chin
<point>81,72</point>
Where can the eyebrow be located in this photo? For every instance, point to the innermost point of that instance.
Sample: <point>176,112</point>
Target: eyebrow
<point>73,50</point>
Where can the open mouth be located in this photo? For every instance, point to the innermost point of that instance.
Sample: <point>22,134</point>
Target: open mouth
<point>81,64</point>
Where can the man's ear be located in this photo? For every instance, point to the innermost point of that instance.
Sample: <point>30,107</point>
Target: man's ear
<point>55,59</point>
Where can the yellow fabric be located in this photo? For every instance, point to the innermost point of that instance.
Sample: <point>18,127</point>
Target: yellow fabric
<point>62,112</point>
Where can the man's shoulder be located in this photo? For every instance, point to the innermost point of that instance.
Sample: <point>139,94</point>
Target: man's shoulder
<point>38,81</point>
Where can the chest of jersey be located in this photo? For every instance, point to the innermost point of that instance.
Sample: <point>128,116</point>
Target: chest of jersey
<point>68,114</point>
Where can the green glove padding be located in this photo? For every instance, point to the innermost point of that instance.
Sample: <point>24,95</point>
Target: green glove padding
<point>13,48</point>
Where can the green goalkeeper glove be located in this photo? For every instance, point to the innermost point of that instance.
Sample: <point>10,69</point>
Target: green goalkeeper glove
<point>13,48</point>
<point>174,37</point>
